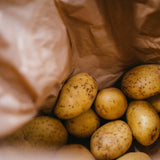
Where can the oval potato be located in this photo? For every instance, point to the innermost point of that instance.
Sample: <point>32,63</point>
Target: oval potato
<point>135,156</point>
<point>111,140</point>
<point>142,81</point>
<point>143,121</point>
<point>83,125</point>
<point>110,103</point>
<point>74,152</point>
<point>76,96</point>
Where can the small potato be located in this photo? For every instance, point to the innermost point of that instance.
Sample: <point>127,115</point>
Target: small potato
<point>155,102</point>
<point>41,132</point>
<point>110,103</point>
<point>83,125</point>
<point>135,156</point>
<point>142,81</point>
<point>143,121</point>
<point>76,96</point>
<point>74,152</point>
<point>111,140</point>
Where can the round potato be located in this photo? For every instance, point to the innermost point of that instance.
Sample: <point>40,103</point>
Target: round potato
<point>41,132</point>
<point>110,103</point>
<point>111,140</point>
<point>76,96</point>
<point>135,156</point>
<point>142,81</point>
<point>143,121</point>
<point>83,125</point>
<point>74,152</point>
<point>155,101</point>
<point>45,131</point>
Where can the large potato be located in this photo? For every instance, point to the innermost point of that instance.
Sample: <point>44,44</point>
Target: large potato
<point>41,132</point>
<point>110,103</point>
<point>142,81</point>
<point>144,122</point>
<point>83,125</point>
<point>74,152</point>
<point>76,97</point>
<point>135,156</point>
<point>111,140</point>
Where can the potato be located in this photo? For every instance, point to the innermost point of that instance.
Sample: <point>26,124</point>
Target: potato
<point>143,121</point>
<point>74,152</point>
<point>41,132</point>
<point>16,140</point>
<point>142,81</point>
<point>111,140</point>
<point>83,125</point>
<point>135,156</point>
<point>155,101</point>
<point>76,96</point>
<point>110,103</point>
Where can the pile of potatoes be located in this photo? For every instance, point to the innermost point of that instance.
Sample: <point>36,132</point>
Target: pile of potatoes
<point>110,119</point>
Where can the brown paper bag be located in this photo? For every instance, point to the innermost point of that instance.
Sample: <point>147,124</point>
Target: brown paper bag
<point>109,37</point>
<point>102,34</point>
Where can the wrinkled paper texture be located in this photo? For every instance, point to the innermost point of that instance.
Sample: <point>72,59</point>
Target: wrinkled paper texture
<point>101,34</point>
<point>110,37</point>
<point>35,60</point>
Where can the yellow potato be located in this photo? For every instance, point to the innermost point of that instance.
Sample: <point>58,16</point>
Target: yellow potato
<point>16,139</point>
<point>135,156</point>
<point>83,125</point>
<point>110,103</point>
<point>155,101</point>
<point>74,152</point>
<point>144,122</point>
<point>142,81</point>
<point>76,96</point>
<point>41,132</point>
<point>111,140</point>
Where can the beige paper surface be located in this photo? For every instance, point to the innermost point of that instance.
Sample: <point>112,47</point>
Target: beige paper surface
<point>35,60</point>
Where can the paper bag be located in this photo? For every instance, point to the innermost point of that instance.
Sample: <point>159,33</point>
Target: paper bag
<point>110,37</point>
<point>35,60</point>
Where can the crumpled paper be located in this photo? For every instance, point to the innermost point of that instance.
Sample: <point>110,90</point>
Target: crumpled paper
<point>35,60</point>
<point>41,47</point>
<point>110,37</point>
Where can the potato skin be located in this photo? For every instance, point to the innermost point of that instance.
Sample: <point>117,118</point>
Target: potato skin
<point>142,81</point>
<point>155,102</point>
<point>110,103</point>
<point>76,96</point>
<point>41,132</point>
<point>111,140</point>
<point>143,121</point>
<point>74,151</point>
<point>135,156</point>
<point>46,131</point>
<point>83,125</point>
